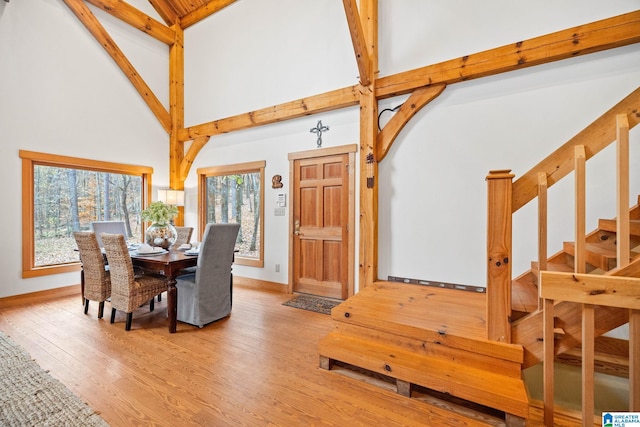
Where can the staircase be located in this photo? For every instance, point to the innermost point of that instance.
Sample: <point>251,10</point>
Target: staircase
<point>561,308</point>
<point>601,259</point>
<point>600,255</point>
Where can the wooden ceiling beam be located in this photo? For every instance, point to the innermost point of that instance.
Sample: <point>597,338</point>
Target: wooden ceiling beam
<point>608,33</point>
<point>328,101</point>
<point>359,42</point>
<point>418,99</point>
<point>601,35</point>
<point>84,14</point>
<point>137,19</point>
<point>166,11</point>
<point>204,11</point>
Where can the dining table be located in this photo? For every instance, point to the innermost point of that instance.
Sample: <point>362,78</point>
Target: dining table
<point>169,264</point>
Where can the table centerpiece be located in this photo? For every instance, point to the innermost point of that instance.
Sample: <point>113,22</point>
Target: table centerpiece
<point>161,232</point>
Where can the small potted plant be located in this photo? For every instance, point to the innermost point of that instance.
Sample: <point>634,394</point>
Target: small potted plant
<point>161,232</point>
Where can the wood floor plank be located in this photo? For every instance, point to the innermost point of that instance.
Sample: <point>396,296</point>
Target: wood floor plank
<point>258,367</point>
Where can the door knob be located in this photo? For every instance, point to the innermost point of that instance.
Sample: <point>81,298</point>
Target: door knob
<point>296,227</point>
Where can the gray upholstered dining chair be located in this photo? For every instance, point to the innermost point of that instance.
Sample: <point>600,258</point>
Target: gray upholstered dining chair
<point>111,227</point>
<point>96,278</point>
<point>128,291</point>
<point>184,236</point>
<point>205,296</point>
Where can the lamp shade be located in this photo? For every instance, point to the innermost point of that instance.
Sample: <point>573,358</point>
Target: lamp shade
<point>171,197</point>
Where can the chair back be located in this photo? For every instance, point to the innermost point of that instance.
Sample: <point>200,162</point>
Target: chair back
<point>206,295</point>
<point>184,236</point>
<point>128,291</point>
<point>120,265</point>
<point>216,254</point>
<point>111,227</point>
<point>97,284</point>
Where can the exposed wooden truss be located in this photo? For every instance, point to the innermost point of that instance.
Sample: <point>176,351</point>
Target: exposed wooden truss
<point>137,19</point>
<point>187,12</point>
<point>89,20</point>
<point>368,258</point>
<point>597,36</point>
<point>424,84</point>
<point>359,42</point>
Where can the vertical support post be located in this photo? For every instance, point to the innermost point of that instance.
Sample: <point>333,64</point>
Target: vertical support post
<point>499,247</point>
<point>623,245</point>
<point>588,337</point>
<point>176,111</point>
<point>634,363</point>
<point>542,226</point>
<point>548,346</point>
<point>580,265</point>
<point>368,262</point>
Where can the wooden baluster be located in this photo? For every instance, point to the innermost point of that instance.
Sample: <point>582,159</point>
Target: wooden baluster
<point>588,337</point>
<point>542,226</point>
<point>634,363</point>
<point>623,248</point>
<point>622,180</point>
<point>580,209</point>
<point>548,346</point>
<point>499,248</point>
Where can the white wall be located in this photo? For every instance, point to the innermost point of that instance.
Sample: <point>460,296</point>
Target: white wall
<point>254,55</point>
<point>61,93</point>
<point>433,191</point>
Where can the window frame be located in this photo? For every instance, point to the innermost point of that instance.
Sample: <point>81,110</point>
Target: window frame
<point>234,169</point>
<point>30,159</point>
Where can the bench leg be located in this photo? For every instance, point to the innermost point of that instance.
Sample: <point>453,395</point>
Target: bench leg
<point>325,363</point>
<point>403,388</point>
<point>514,421</point>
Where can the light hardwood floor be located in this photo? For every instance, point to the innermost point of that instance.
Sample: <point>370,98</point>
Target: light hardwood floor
<point>258,367</point>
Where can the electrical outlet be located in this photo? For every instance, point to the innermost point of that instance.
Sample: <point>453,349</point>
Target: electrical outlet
<point>279,212</point>
<point>277,268</point>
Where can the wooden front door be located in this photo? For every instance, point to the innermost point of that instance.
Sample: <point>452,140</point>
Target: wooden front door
<point>322,243</point>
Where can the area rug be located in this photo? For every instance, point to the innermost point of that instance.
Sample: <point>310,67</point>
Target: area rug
<point>312,303</point>
<point>29,396</point>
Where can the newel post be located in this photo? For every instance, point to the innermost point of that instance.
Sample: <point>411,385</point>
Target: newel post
<point>499,230</point>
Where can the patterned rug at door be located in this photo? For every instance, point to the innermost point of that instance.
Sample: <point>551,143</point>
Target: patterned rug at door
<point>312,303</point>
<point>29,396</point>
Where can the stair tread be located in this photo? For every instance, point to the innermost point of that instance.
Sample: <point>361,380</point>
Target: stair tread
<point>551,266</point>
<point>611,226</point>
<point>601,255</point>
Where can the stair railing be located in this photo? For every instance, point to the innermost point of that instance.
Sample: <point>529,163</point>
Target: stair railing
<point>590,291</point>
<point>503,191</point>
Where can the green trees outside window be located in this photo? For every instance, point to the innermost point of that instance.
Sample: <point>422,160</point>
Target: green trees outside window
<point>234,194</point>
<point>65,194</point>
